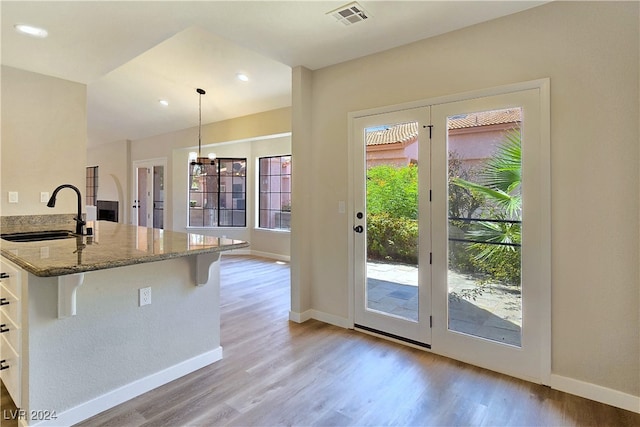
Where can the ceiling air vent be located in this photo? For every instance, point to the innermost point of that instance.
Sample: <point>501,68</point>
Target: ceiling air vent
<point>350,13</point>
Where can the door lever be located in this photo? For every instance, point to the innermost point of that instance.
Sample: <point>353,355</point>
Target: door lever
<point>358,229</point>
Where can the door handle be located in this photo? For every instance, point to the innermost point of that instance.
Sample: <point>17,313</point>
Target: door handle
<point>2,365</point>
<point>358,229</point>
<point>3,328</point>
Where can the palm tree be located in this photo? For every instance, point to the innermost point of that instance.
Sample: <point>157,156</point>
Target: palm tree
<point>499,183</point>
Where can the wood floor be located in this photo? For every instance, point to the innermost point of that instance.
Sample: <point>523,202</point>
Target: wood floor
<point>8,409</point>
<point>276,372</point>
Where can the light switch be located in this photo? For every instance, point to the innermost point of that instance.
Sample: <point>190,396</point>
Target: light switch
<point>341,207</point>
<point>13,197</point>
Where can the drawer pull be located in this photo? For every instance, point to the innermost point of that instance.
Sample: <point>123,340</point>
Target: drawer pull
<point>4,275</point>
<point>3,366</point>
<point>3,328</point>
<point>3,301</point>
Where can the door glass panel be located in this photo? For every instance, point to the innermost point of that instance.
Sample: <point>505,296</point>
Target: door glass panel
<point>142,197</point>
<point>392,220</point>
<point>158,196</point>
<point>484,225</point>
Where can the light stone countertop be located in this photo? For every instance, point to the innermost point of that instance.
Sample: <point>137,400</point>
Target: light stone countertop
<point>112,245</point>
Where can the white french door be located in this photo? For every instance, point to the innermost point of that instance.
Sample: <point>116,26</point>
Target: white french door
<point>477,288</point>
<point>391,201</point>
<point>489,287</point>
<point>148,193</point>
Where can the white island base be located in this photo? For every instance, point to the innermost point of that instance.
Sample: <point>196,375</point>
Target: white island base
<point>112,349</point>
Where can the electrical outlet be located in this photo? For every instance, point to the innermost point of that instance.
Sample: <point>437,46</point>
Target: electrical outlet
<point>13,197</point>
<point>44,196</point>
<point>144,296</point>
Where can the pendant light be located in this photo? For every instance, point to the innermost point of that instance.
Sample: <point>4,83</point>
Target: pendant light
<point>196,158</point>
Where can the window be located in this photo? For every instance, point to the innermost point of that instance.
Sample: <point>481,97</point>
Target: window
<point>217,194</point>
<point>92,186</point>
<point>275,192</point>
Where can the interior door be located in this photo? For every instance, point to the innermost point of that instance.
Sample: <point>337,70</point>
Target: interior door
<point>391,224</point>
<point>488,233</point>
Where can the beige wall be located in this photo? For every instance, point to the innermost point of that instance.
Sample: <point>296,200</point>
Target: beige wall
<point>590,52</point>
<point>44,134</point>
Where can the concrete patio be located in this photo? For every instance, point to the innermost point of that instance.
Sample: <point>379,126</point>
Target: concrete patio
<point>495,314</point>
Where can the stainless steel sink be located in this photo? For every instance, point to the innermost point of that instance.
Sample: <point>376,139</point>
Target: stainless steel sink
<point>37,236</point>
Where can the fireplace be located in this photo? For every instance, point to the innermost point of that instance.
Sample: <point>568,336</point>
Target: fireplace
<point>107,210</point>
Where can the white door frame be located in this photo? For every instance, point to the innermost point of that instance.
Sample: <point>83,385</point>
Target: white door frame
<point>544,209</point>
<point>149,164</point>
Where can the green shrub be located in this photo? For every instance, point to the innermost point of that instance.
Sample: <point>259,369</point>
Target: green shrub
<point>393,190</point>
<point>392,238</point>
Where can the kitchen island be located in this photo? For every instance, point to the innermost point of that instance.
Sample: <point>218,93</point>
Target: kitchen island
<point>81,340</point>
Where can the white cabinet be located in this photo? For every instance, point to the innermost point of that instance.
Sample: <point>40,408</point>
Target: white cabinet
<point>10,329</point>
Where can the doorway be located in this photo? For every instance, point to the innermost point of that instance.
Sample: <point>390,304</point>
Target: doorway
<point>467,273</point>
<point>149,192</point>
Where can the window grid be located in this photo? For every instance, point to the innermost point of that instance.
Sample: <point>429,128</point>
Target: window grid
<point>217,194</point>
<point>274,203</point>
<point>91,193</point>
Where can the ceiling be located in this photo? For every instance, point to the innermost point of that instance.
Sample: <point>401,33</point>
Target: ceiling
<point>132,54</point>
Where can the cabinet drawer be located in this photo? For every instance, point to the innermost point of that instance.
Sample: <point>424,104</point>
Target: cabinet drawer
<point>11,310</point>
<point>11,375</point>
<point>10,277</point>
<point>12,333</point>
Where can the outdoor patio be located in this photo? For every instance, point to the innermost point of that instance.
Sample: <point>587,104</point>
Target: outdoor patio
<point>495,314</point>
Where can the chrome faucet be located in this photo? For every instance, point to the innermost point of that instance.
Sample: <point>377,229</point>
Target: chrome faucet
<point>78,219</point>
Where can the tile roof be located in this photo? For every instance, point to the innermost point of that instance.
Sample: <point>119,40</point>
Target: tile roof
<point>403,132</point>
<point>485,118</point>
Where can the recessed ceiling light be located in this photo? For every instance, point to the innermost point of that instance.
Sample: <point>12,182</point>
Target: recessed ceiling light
<point>30,30</point>
<point>164,102</point>
<point>242,77</point>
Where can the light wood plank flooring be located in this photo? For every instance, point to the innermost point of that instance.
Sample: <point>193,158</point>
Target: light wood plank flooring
<point>276,372</point>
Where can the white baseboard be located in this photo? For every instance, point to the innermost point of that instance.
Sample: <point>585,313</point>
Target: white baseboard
<point>321,316</point>
<point>270,255</point>
<point>595,392</point>
<point>300,317</point>
<point>127,392</point>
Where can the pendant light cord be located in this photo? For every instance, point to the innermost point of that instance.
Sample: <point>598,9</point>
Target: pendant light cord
<point>200,92</point>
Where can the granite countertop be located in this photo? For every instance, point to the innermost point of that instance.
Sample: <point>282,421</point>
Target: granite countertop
<point>112,245</point>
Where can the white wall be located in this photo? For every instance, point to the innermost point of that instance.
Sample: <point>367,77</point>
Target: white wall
<point>44,136</point>
<point>590,51</point>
